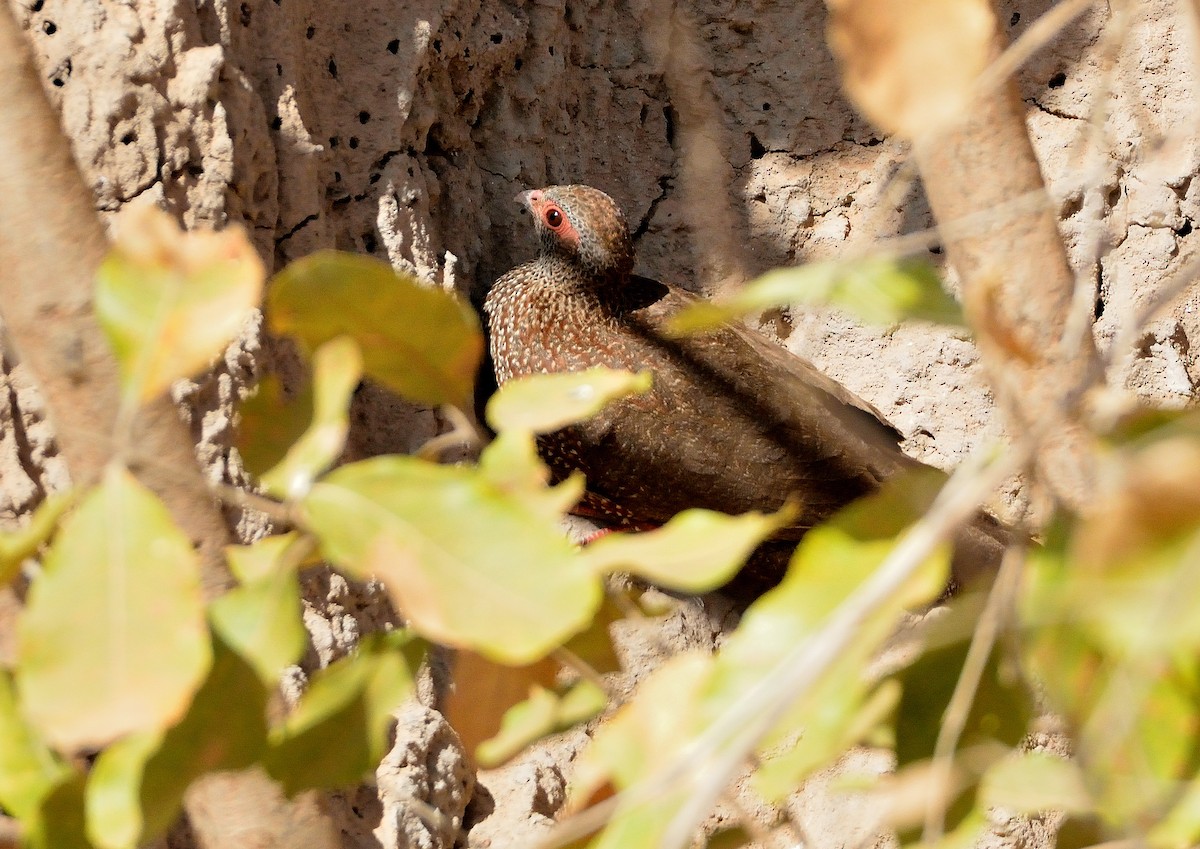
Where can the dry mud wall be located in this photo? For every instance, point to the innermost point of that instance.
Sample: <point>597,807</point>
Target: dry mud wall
<point>403,128</point>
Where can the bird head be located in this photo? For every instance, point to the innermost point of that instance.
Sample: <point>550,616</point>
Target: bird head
<point>582,225</point>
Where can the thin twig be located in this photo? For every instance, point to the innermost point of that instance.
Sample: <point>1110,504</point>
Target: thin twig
<point>573,661</point>
<point>247,500</point>
<point>464,433</point>
<point>995,611</point>
<point>708,762</point>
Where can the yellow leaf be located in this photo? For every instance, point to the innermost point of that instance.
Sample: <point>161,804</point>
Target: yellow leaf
<point>170,301</point>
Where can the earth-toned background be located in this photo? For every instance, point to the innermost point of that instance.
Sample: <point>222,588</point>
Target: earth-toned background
<point>403,128</point>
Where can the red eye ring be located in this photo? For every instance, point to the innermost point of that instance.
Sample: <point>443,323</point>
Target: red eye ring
<point>554,218</point>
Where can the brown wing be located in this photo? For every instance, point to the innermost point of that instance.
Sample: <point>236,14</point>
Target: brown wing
<point>733,422</point>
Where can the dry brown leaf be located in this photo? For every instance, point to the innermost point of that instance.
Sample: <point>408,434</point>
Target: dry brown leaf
<point>911,66</point>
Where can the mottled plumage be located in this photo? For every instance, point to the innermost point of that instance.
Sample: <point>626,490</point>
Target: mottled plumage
<point>732,422</point>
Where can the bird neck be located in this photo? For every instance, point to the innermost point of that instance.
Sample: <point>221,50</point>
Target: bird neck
<point>570,279</point>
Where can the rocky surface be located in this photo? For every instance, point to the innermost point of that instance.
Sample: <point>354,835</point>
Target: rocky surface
<point>402,128</point>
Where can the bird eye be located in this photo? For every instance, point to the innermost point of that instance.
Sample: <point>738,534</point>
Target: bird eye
<point>554,217</point>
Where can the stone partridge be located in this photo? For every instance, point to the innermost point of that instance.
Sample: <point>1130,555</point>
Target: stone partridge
<point>732,421</point>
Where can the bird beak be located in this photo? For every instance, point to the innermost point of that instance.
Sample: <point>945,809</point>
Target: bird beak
<point>528,199</point>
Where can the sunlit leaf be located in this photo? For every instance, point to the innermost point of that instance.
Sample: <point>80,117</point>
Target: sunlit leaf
<point>17,545</point>
<point>417,340</point>
<point>1036,782</point>
<point>911,67</point>
<point>136,788</point>
<point>469,564</point>
<point>510,463</point>
<point>350,702</point>
<point>262,622</point>
<point>337,369</point>
<point>697,551</point>
<point>28,769</point>
<point>544,403</point>
<point>1109,605</point>
<point>128,582</point>
<point>1181,826</point>
<point>543,713</point>
<point>643,736</point>
<point>830,564</point>
<point>263,558</point>
<point>114,817</point>
<point>171,301</point>
<point>877,291</point>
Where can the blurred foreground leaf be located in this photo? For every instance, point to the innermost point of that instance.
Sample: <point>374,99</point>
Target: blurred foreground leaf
<point>136,788</point>
<point>685,711</point>
<point>469,564</point>
<point>17,545</point>
<point>912,67</point>
<point>350,702</point>
<point>28,769</point>
<point>1109,604</point>
<point>416,340</point>
<point>128,582</point>
<point>877,291</point>
<point>543,713</point>
<point>697,551</point>
<point>546,402</point>
<point>261,619</point>
<point>171,301</point>
<point>337,369</point>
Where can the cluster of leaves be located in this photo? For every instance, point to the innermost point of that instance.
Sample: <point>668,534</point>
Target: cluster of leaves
<point>124,664</point>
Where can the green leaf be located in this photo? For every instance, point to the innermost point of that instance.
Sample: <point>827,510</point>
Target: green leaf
<point>645,734</point>
<point>546,402</point>
<point>1035,782</point>
<point>269,423</point>
<point>262,622</point>
<point>697,551</point>
<point>264,558</point>
<point>136,788</point>
<point>17,545</point>
<point>832,561</point>
<point>337,369</point>
<point>469,564</point>
<point>350,702</point>
<point>510,463</point>
<point>58,822</point>
<point>113,812</point>
<point>542,714</point>
<point>418,341</point>
<point>128,583</point>
<point>28,769</point>
<point>171,301</point>
<point>1000,711</point>
<point>877,291</point>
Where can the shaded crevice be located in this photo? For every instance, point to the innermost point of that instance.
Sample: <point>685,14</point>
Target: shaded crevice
<point>304,222</point>
<point>1033,101</point>
<point>664,185</point>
